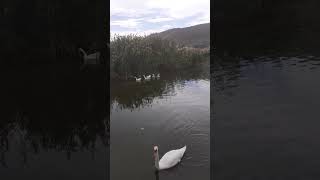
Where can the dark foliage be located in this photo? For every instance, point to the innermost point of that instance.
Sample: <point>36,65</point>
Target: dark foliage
<point>262,26</point>
<point>51,31</point>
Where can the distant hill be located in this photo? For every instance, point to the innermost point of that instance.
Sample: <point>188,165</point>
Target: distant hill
<point>197,36</point>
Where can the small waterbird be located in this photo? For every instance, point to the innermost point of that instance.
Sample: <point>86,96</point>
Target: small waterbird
<point>137,79</point>
<point>147,77</point>
<point>91,58</point>
<point>169,159</point>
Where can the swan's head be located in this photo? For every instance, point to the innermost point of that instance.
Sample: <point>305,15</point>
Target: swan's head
<point>156,157</point>
<point>155,149</point>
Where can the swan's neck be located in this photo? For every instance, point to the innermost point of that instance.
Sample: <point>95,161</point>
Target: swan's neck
<point>156,160</point>
<point>83,52</point>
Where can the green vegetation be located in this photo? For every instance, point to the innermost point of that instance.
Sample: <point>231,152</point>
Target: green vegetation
<point>133,55</point>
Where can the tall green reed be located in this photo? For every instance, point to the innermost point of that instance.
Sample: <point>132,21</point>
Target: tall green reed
<point>133,55</point>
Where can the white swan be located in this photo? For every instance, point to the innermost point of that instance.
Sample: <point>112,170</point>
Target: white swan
<point>91,58</point>
<point>137,79</point>
<point>158,76</point>
<point>147,77</point>
<point>168,160</point>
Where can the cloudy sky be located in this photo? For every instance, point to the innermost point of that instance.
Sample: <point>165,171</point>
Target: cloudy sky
<point>147,16</point>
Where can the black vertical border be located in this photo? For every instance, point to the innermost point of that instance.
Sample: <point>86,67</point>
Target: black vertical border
<point>212,47</point>
<point>107,65</point>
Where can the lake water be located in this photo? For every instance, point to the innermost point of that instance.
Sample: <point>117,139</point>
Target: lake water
<point>170,113</point>
<point>266,118</point>
<point>52,123</point>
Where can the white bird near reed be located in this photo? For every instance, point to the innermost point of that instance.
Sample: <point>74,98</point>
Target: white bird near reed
<point>91,58</point>
<point>147,77</point>
<point>169,159</point>
<point>137,79</point>
<point>158,76</point>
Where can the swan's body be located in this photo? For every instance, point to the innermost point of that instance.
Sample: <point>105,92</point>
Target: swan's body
<point>91,58</point>
<point>147,77</point>
<point>169,159</point>
<point>158,76</point>
<point>137,79</point>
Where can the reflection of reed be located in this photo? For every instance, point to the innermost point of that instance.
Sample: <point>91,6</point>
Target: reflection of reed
<point>4,147</point>
<point>140,94</point>
<point>28,141</point>
<point>132,95</point>
<point>52,108</point>
<point>69,141</point>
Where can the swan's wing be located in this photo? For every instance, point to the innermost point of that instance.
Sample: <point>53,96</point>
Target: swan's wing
<point>171,158</point>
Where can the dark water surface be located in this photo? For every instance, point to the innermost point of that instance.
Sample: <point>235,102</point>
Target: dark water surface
<point>266,118</point>
<point>171,112</point>
<point>53,123</point>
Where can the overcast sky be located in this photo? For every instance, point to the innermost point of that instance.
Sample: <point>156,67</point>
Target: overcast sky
<point>147,16</point>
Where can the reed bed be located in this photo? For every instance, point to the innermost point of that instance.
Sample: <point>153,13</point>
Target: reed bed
<point>133,55</point>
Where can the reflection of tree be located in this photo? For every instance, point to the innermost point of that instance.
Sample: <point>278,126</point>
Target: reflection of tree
<point>133,95</point>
